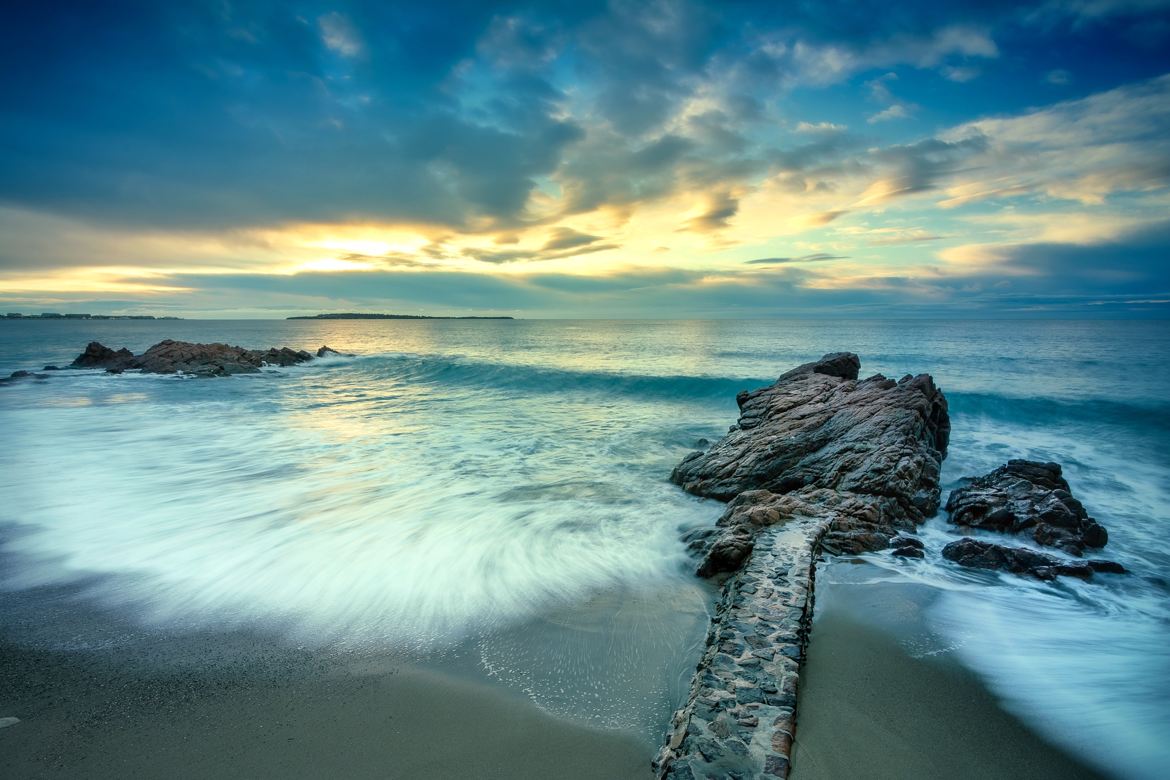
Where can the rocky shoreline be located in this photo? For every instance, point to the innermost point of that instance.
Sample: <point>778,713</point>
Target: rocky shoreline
<point>183,357</point>
<point>821,462</point>
<point>173,357</point>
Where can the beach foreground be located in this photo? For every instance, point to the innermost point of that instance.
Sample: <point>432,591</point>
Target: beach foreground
<point>881,698</point>
<point>304,716</point>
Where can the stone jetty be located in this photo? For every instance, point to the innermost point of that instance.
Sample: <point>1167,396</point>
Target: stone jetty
<point>818,461</point>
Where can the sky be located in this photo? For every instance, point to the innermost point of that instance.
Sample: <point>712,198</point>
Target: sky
<point>610,159</point>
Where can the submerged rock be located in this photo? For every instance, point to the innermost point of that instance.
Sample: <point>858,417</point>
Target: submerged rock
<point>170,357</point>
<point>16,376</point>
<point>1026,495</point>
<point>980,554</point>
<point>908,547</point>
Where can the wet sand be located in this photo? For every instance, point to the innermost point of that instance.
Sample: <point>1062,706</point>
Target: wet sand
<point>869,708</point>
<point>85,717</point>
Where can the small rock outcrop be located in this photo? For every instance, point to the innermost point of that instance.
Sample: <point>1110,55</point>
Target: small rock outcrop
<point>819,461</point>
<point>98,355</point>
<point>1027,496</point>
<point>980,554</point>
<point>17,376</point>
<point>171,357</point>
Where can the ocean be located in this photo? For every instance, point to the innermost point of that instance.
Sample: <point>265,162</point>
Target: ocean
<point>493,495</point>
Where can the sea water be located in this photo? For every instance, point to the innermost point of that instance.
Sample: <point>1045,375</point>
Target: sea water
<point>501,486</point>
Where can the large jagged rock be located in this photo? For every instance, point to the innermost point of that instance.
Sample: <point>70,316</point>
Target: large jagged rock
<point>980,554</point>
<point>171,357</point>
<point>818,461</point>
<point>1026,495</point>
<point>818,426</point>
<point>870,451</point>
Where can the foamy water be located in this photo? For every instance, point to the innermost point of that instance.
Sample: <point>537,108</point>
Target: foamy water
<point>457,480</point>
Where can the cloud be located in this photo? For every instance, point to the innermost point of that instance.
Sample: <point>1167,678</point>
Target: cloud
<point>567,238</point>
<point>818,257</point>
<point>339,35</point>
<point>896,111</point>
<point>1083,150</point>
<point>1059,77</point>
<point>960,74</point>
<point>825,217</point>
<point>526,133</point>
<point>819,127</point>
<point>719,210</point>
<point>1133,262</point>
<point>895,237</point>
<point>879,91</point>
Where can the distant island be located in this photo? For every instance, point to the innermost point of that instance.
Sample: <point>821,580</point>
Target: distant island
<point>52,315</point>
<point>359,316</point>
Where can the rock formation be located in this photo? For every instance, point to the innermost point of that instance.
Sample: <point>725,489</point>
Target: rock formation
<point>170,357</point>
<point>1025,495</point>
<point>1020,560</point>
<point>871,448</point>
<point>818,461</point>
<point>17,376</point>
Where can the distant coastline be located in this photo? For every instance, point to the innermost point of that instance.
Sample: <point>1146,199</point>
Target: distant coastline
<point>359,316</point>
<point>52,315</point>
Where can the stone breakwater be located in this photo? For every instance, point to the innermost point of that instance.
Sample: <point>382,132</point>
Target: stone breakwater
<point>817,461</point>
<point>740,717</point>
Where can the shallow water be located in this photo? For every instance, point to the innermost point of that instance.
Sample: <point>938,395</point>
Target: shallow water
<point>501,486</point>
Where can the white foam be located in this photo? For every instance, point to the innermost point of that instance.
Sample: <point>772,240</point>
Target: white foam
<point>341,513</point>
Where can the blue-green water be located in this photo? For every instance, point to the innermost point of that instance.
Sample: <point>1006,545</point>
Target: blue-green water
<point>456,479</point>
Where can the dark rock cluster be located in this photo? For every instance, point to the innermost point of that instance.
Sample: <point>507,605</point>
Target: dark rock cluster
<point>1026,495</point>
<point>171,357</point>
<point>17,376</point>
<point>981,554</point>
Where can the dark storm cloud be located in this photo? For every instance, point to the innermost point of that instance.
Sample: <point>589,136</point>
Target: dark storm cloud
<point>1134,264</point>
<point>212,115</point>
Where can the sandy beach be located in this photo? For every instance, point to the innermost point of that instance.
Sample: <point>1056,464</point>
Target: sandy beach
<point>870,706</point>
<point>105,718</point>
